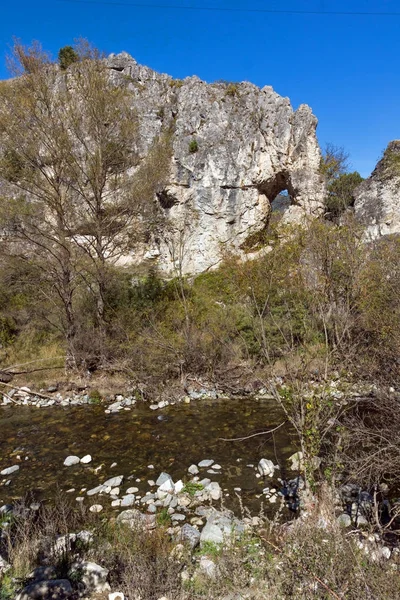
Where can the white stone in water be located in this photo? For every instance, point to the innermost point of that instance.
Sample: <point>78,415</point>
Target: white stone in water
<point>237,489</point>
<point>162,478</point>
<point>214,490</point>
<point>179,486</point>
<point>206,463</point>
<point>132,490</point>
<point>113,465</point>
<point>217,467</point>
<point>149,467</point>
<point>114,481</point>
<point>128,500</point>
<point>167,486</point>
<point>116,502</point>
<point>79,499</point>
<point>96,508</point>
<point>151,482</point>
<point>266,467</point>
<point>116,596</point>
<point>10,470</point>
<point>115,491</point>
<point>153,406</point>
<point>72,460</point>
<point>193,469</point>
<point>86,459</point>
<point>70,491</point>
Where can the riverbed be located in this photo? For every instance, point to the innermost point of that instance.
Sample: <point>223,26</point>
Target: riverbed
<point>142,443</point>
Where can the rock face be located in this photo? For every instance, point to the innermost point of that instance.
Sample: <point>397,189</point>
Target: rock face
<point>235,147</point>
<point>377,199</point>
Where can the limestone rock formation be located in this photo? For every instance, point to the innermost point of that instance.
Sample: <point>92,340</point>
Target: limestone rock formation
<point>235,148</point>
<point>377,199</point>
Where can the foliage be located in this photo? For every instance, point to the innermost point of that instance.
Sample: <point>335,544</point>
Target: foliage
<point>191,487</point>
<point>193,146</point>
<point>340,193</point>
<point>232,89</point>
<point>67,56</point>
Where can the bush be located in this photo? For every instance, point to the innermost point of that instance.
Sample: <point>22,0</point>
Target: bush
<point>67,56</point>
<point>193,146</point>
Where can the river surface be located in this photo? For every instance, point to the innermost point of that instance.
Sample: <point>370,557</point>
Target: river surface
<point>39,439</point>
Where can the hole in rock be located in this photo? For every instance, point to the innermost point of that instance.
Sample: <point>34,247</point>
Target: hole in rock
<point>166,200</point>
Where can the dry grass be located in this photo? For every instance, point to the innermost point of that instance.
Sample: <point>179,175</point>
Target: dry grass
<point>310,559</point>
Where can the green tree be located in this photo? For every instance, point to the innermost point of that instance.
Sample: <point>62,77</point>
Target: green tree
<point>67,56</point>
<point>339,182</point>
<point>341,193</point>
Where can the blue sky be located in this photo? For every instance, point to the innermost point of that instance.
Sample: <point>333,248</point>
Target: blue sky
<point>347,68</point>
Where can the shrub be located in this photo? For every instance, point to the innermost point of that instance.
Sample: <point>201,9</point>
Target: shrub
<point>67,56</point>
<point>193,146</point>
<point>232,89</point>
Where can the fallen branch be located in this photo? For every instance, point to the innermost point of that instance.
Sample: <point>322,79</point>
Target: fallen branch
<point>247,437</point>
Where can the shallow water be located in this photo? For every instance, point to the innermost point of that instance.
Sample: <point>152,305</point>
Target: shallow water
<point>170,439</point>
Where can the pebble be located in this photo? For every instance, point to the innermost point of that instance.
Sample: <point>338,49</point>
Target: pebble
<point>10,470</point>
<point>132,490</point>
<point>128,500</point>
<point>193,469</point>
<point>96,508</point>
<point>72,460</point>
<point>206,463</point>
<point>86,459</point>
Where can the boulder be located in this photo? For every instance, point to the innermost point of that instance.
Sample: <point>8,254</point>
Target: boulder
<point>92,575</point>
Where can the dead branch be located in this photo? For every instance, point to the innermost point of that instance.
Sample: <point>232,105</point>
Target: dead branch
<point>247,437</point>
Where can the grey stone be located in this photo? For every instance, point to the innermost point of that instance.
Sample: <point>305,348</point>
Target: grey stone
<point>162,478</point>
<point>92,575</point>
<point>191,535</point>
<point>128,500</point>
<point>96,490</point>
<point>344,520</point>
<point>114,481</point>
<point>43,574</point>
<point>55,589</point>
<point>220,527</point>
<point>178,517</point>
<point>193,469</point>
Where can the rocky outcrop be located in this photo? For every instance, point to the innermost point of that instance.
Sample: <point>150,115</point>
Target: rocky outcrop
<point>235,147</point>
<point>377,199</point>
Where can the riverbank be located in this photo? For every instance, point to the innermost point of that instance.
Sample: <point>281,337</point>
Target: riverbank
<point>73,553</point>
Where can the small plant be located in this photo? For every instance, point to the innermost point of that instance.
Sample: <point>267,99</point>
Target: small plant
<point>232,89</point>
<point>209,549</point>
<point>193,146</point>
<point>163,517</point>
<point>192,487</point>
<point>176,83</point>
<point>95,397</point>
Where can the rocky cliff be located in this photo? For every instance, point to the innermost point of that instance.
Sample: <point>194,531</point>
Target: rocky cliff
<point>377,199</point>
<point>235,147</point>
